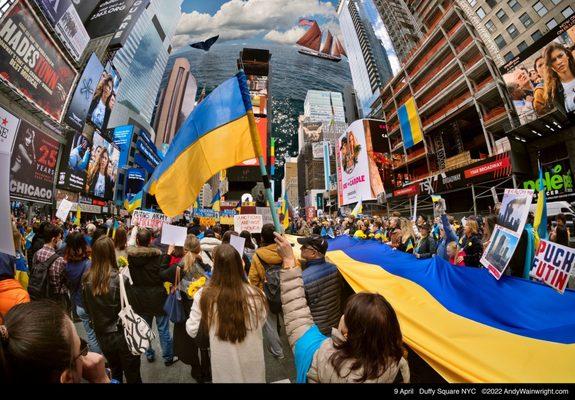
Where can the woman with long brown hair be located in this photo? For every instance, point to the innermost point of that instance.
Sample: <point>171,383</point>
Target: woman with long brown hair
<point>101,297</point>
<point>192,271</point>
<point>233,313</point>
<point>560,78</point>
<point>367,346</point>
<point>98,182</point>
<point>120,243</point>
<point>407,243</point>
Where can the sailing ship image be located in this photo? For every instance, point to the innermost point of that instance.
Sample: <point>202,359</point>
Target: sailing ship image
<point>310,43</point>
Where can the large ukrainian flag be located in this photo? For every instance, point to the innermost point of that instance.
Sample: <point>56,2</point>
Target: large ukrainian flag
<point>468,326</point>
<point>215,136</point>
<point>410,124</point>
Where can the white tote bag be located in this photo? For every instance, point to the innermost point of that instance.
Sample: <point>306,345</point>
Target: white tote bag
<point>138,333</point>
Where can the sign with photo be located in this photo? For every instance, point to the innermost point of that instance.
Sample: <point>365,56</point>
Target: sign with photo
<point>8,128</point>
<point>85,89</point>
<point>500,250</point>
<point>553,265</point>
<point>33,165</point>
<point>515,209</point>
<point>32,64</point>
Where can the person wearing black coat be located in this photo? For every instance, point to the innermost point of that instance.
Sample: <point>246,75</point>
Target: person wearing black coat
<point>191,268</point>
<point>426,247</point>
<point>470,243</point>
<point>147,295</point>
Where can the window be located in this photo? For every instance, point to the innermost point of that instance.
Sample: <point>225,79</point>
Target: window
<point>540,8</point>
<point>491,3</point>
<point>556,1</point>
<point>551,23</point>
<point>502,15</point>
<point>512,30</point>
<point>501,43</point>
<point>490,26</point>
<point>522,46</point>
<point>536,35</point>
<point>514,5</point>
<point>480,13</point>
<point>567,12</point>
<point>509,56</point>
<point>526,20</point>
<point>472,2</point>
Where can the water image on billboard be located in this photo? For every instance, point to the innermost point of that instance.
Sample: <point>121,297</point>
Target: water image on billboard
<point>104,98</point>
<point>102,168</point>
<point>542,78</point>
<point>74,162</point>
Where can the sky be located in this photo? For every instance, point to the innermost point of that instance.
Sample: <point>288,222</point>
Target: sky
<point>264,21</point>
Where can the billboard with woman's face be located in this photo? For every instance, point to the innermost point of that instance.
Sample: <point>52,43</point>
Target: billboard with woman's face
<point>104,98</point>
<point>102,168</point>
<point>542,78</point>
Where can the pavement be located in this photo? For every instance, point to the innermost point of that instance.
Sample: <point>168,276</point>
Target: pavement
<point>156,372</point>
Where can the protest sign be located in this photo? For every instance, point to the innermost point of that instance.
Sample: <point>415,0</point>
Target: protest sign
<point>238,243</point>
<point>500,250</point>
<point>147,219</point>
<point>515,209</point>
<point>227,217</point>
<point>553,264</point>
<point>6,241</point>
<point>64,209</point>
<point>175,235</point>
<point>248,222</point>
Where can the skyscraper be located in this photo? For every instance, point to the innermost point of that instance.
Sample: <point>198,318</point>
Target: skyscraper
<point>323,106</point>
<point>404,31</point>
<point>368,62</point>
<point>171,103</point>
<point>142,60</point>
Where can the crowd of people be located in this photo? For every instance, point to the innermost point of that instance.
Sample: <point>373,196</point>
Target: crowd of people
<point>64,274</point>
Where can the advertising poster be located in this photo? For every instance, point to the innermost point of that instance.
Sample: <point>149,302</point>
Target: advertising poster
<point>312,132</point>
<point>102,168</point>
<point>515,209</point>
<point>85,8</point>
<point>557,180</point>
<point>104,98</point>
<point>107,17</point>
<point>252,223</point>
<point>500,250</point>
<point>67,23</point>
<point>33,165</point>
<point>127,23</point>
<point>259,94</point>
<point>31,63</point>
<point>553,265</point>
<point>74,163</point>
<point>123,139</point>
<point>262,124</point>
<point>135,181</point>
<point>531,76</point>
<point>147,219</point>
<point>354,176</point>
<point>6,241</point>
<point>84,93</point>
<point>8,128</point>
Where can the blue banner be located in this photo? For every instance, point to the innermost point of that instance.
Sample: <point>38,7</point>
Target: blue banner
<point>135,180</point>
<point>142,162</point>
<point>123,139</point>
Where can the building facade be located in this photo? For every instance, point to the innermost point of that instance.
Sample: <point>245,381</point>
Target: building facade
<point>324,106</point>
<point>290,181</point>
<point>368,62</point>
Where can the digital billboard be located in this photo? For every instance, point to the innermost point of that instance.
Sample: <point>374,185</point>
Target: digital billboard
<point>541,79</point>
<point>104,98</point>
<point>32,64</point>
<point>74,162</point>
<point>135,180</point>
<point>108,15</point>
<point>102,168</point>
<point>258,86</point>
<point>123,139</point>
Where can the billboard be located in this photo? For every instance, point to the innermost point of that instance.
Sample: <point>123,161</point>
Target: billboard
<point>135,180</point>
<point>107,17</point>
<point>540,79</point>
<point>357,173</point>
<point>104,98</point>
<point>85,8</point>
<point>259,93</point>
<point>33,165</point>
<point>67,23</point>
<point>8,129</point>
<point>262,124</point>
<point>312,132</point>
<point>74,163</point>
<point>557,180</point>
<point>123,139</point>
<point>102,168</point>
<point>85,89</point>
<point>31,63</point>
<point>127,23</point>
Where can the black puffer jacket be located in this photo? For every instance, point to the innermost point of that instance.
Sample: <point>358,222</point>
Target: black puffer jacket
<point>473,250</point>
<point>103,310</point>
<point>147,295</point>
<point>426,247</point>
<point>323,284</point>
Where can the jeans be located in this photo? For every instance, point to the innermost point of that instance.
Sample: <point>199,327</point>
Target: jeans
<point>92,340</point>
<point>163,324</point>
<point>121,360</point>
<point>270,332</point>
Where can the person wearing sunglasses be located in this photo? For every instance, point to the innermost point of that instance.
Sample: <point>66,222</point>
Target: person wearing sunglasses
<point>39,344</point>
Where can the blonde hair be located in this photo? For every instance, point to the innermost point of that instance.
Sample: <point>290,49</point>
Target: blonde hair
<point>453,247</point>
<point>473,226</point>
<point>406,229</point>
<point>191,248</point>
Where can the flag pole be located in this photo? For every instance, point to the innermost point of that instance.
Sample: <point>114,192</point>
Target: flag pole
<point>256,142</point>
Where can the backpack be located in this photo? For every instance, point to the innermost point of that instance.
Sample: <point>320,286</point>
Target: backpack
<point>272,288</point>
<point>39,280</point>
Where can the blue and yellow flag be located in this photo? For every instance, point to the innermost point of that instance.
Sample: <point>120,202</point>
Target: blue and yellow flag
<point>540,221</point>
<point>285,212</point>
<point>134,203</point>
<point>358,209</point>
<point>410,124</point>
<point>216,202</point>
<point>78,219</point>
<point>466,325</point>
<point>215,136</point>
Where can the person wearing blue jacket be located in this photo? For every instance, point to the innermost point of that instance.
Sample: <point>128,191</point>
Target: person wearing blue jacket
<point>446,232</point>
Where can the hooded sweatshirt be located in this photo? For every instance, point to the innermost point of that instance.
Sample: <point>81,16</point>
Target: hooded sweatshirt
<point>208,244</point>
<point>11,291</point>
<point>268,255</point>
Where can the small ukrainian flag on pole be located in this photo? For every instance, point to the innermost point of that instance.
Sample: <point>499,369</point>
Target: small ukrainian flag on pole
<point>135,203</point>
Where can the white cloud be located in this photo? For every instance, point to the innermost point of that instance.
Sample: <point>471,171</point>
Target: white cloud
<point>241,19</point>
<point>287,37</point>
<point>383,36</point>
